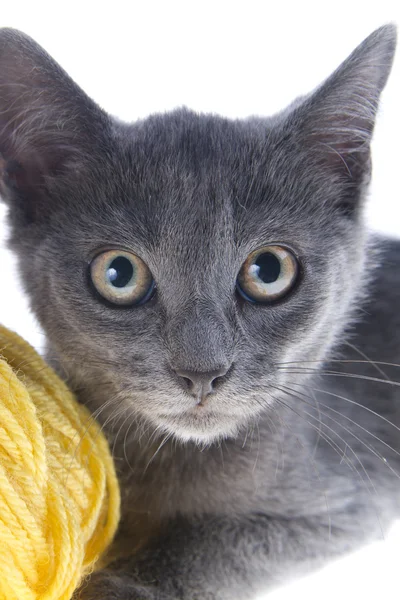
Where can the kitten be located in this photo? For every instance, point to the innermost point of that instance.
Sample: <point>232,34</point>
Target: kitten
<point>209,290</point>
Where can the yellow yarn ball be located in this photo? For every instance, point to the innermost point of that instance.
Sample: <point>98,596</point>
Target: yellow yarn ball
<point>59,495</point>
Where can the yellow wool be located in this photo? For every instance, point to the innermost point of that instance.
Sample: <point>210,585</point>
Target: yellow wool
<point>59,496</point>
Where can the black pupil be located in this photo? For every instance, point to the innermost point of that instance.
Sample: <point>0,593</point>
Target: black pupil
<point>269,267</point>
<point>120,272</point>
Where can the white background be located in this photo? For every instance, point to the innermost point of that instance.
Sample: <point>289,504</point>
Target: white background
<point>235,59</point>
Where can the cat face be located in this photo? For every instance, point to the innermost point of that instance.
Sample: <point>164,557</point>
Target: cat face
<point>176,263</point>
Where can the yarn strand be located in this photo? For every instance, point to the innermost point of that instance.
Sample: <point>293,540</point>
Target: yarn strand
<point>59,494</point>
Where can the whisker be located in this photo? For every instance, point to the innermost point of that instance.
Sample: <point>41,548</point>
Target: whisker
<point>126,436</point>
<point>318,408</point>
<point>258,447</point>
<point>279,445</point>
<point>355,403</point>
<point>348,418</point>
<point>90,385</point>
<point>339,360</point>
<point>365,444</point>
<point>307,371</point>
<point>370,361</point>
<point>295,395</point>
<point>90,422</point>
<point>163,442</point>
<point>114,414</point>
<point>119,430</point>
<point>343,457</point>
<point>246,436</point>
<point>312,462</point>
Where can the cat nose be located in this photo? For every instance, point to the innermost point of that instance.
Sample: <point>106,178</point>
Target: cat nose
<point>201,384</point>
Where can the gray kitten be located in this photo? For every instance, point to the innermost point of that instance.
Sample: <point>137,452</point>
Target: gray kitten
<point>208,289</point>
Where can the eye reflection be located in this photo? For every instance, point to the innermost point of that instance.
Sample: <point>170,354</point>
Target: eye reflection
<point>120,272</point>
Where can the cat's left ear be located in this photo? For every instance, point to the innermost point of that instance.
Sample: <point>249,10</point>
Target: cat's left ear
<point>334,125</point>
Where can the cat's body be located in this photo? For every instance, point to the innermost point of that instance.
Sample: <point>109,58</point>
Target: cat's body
<point>323,491</point>
<point>253,438</point>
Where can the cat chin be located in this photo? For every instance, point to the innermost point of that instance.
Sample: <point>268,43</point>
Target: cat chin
<point>203,432</point>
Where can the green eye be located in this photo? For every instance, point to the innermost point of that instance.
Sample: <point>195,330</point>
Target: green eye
<point>121,277</point>
<point>268,274</point>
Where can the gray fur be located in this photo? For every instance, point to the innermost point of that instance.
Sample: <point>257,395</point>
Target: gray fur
<point>283,468</point>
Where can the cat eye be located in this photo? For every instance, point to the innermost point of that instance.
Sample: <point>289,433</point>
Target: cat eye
<point>121,277</point>
<point>268,274</point>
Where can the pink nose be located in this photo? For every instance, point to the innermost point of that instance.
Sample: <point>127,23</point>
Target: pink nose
<point>200,384</point>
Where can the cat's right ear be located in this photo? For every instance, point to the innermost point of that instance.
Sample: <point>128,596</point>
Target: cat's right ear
<point>49,128</point>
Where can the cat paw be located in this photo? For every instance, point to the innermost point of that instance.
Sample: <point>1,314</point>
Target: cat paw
<point>108,585</point>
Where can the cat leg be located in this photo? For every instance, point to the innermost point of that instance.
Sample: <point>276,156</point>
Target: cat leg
<point>217,558</point>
